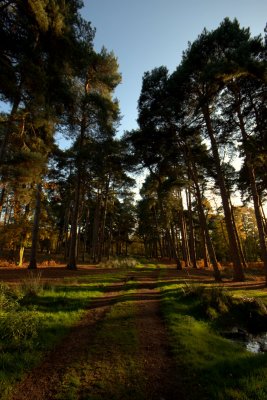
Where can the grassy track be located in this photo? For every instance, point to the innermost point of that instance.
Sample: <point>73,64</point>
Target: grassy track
<point>53,310</point>
<point>110,365</point>
<point>113,373</point>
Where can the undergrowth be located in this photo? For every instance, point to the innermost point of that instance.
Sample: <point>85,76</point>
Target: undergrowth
<point>213,367</point>
<point>126,262</point>
<point>221,306</point>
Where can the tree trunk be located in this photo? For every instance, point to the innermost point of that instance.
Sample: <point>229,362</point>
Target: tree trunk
<point>21,254</point>
<point>35,229</point>
<point>175,250</point>
<point>85,234</point>
<point>103,222</point>
<point>74,225</point>
<point>253,186</point>
<point>66,232</point>
<point>238,240</point>
<point>205,250</point>
<point>2,199</point>
<point>158,231</point>
<point>185,249</point>
<point>263,218</point>
<point>72,263</point>
<point>233,246</point>
<point>96,223</point>
<point>203,223</point>
<point>192,243</point>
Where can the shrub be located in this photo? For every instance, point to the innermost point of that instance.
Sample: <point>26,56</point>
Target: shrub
<point>216,299</point>
<point>15,324</point>
<point>9,298</point>
<point>213,301</point>
<point>18,326</point>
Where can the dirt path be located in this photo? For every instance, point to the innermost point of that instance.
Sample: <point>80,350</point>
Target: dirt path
<point>42,382</point>
<point>161,373</point>
<point>156,368</point>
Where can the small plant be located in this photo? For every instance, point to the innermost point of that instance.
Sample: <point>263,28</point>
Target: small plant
<point>192,290</point>
<point>32,285</point>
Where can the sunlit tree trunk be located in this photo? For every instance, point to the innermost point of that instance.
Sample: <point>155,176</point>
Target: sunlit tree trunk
<point>21,254</point>
<point>233,246</point>
<point>238,240</point>
<point>175,249</point>
<point>252,180</point>
<point>184,244</point>
<point>192,243</point>
<point>203,223</point>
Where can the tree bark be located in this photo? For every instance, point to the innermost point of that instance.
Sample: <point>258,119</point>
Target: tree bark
<point>233,246</point>
<point>253,185</point>
<point>175,250</point>
<point>35,229</point>
<point>203,223</point>
<point>185,249</point>
<point>192,243</point>
<point>96,223</point>
<point>72,263</point>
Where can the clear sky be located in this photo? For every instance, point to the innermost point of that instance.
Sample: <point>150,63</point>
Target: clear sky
<point>145,34</point>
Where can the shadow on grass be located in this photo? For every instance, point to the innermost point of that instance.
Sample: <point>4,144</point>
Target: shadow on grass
<point>64,304</point>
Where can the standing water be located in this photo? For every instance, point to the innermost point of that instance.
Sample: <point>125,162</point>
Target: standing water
<point>257,344</point>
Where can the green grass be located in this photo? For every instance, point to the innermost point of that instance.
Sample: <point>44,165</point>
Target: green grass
<point>213,367</point>
<point>252,293</point>
<point>114,373</point>
<point>55,309</point>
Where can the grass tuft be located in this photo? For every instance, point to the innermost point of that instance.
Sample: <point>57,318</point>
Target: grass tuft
<point>32,285</point>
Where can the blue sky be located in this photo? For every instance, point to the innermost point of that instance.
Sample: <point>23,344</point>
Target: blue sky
<point>145,34</point>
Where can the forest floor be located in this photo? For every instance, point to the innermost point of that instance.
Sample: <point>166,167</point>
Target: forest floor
<point>121,346</point>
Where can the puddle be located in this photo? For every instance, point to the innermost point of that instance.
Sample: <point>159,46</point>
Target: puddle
<point>253,343</point>
<point>257,344</point>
